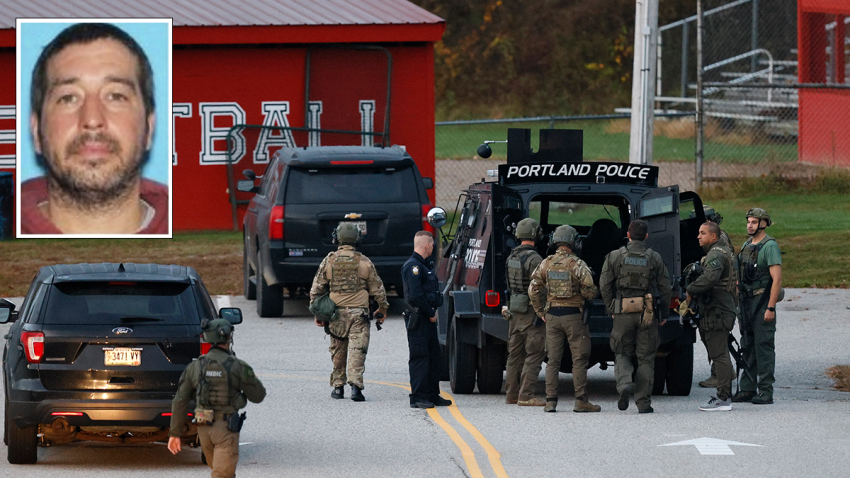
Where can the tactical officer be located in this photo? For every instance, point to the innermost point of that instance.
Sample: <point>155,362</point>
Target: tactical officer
<point>220,384</point>
<point>351,279</point>
<point>760,288</point>
<point>725,241</point>
<point>559,286</point>
<point>422,299</point>
<point>527,342</point>
<point>714,290</point>
<point>631,277</point>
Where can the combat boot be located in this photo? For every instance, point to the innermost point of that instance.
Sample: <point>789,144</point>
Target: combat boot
<point>743,396</point>
<point>338,392</point>
<point>355,394</point>
<point>623,402</point>
<point>762,399</point>
<point>710,382</point>
<point>583,405</point>
<point>551,404</point>
<point>532,402</point>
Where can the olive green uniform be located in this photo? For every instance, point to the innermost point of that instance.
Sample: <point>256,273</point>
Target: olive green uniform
<point>725,241</point>
<point>713,291</point>
<point>758,348</point>
<point>558,289</point>
<point>645,273</point>
<point>527,342</point>
<point>351,279</point>
<point>227,396</point>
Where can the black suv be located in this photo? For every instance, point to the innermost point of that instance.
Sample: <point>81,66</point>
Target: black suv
<point>306,192</point>
<point>96,351</point>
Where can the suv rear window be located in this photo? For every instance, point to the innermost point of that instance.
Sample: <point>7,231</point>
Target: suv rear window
<point>121,303</point>
<point>351,185</point>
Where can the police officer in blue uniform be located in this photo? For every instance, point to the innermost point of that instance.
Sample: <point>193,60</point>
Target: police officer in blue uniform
<point>422,298</point>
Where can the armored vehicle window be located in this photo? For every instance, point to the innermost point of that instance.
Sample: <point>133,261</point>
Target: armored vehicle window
<point>572,213</point>
<point>120,303</point>
<point>656,206</point>
<point>349,185</point>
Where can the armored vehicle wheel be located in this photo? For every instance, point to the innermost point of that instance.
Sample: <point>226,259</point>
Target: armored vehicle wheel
<point>6,423</point>
<point>680,370</point>
<point>660,375</point>
<point>462,361</point>
<point>444,365</point>
<point>23,449</point>
<point>491,368</point>
<point>249,288</point>
<point>269,297</point>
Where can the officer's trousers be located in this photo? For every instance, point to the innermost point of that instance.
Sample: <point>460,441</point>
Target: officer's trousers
<point>717,344</point>
<point>526,351</point>
<point>758,350</point>
<point>221,448</point>
<point>348,352</point>
<point>561,328</point>
<point>630,340</point>
<point>425,361</point>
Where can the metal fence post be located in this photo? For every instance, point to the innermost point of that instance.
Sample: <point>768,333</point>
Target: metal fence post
<point>700,106</point>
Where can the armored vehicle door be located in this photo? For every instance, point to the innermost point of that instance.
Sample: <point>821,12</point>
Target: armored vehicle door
<point>507,213</point>
<point>660,209</point>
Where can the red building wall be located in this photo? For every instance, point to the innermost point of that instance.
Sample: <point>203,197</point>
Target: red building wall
<point>824,114</point>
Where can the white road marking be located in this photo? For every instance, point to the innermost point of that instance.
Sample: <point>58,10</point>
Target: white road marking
<point>222,301</point>
<point>710,446</point>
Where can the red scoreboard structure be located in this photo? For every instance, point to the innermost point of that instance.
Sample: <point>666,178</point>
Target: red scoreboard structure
<point>365,66</point>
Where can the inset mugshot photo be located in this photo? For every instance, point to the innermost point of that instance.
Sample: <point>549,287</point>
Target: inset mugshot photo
<point>94,128</point>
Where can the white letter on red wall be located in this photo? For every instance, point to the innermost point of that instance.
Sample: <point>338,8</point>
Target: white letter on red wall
<point>7,136</point>
<point>183,110</point>
<point>212,153</point>
<point>274,114</point>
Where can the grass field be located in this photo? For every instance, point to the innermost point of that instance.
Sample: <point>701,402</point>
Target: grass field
<point>811,230</point>
<point>460,142</point>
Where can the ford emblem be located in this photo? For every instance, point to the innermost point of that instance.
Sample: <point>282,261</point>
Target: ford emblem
<point>122,330</point>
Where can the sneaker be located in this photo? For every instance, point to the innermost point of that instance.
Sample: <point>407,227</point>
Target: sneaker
<point>762,399</point>
<point>743,396</point>
<point>422,405</point>
<point>710,382</point>
<point>646,410</point>
<point>441,402</point>
<point>715,404</point>
<point>623,403</point>
<point>532,402</point>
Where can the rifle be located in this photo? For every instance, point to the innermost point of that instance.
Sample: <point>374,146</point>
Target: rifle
<point>735,352</point>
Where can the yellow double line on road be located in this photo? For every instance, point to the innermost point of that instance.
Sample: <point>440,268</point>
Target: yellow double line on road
<point>465,450</point>
<point>467,453</point>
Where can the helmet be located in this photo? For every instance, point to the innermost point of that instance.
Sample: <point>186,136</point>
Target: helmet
<point>564,235</point>
<point>218,331</point>
<point>347,233</point>
<point>712,215</point>
<point>528,228</point>
<point>759,213</point>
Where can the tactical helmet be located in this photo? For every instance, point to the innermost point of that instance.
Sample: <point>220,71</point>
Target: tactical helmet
<point>528,228</point>
<point>564,235</point>
<point>759,213</point>
<point>217,331</point>
<point>347,233</point>
<point>712,215</point>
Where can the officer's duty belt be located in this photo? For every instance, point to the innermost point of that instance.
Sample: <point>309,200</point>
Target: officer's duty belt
<point>564,310</point>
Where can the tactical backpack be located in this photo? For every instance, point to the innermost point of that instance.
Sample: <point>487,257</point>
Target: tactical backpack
<point>215,391</point>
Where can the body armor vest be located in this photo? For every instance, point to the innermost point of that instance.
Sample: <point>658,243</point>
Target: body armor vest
<point>215,387</point>
<point>518,280</point>
<point>635,271</point>
<point>344,278</point>
<point>559,280</point>
<point>750,275</point>
<point>728,283</point>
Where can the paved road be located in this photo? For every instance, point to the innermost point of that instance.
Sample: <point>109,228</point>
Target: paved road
<point>300,431</point>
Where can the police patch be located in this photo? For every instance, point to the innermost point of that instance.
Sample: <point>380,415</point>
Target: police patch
<point>635,261</point>
<point>713,262</point>
<point>415,270</point>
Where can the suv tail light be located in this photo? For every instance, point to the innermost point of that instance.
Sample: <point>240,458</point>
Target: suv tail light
<point>425,225</point>
<point>33,343</point>
<point>276,228</point>
<point>491,298</point>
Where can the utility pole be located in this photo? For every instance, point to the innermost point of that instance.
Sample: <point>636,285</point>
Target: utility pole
<point>643,81</point>
<point>700,105</point>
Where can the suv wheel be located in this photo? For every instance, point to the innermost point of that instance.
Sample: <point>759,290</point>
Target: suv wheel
<point>269,297</point>
<point>462,361</point>
<point>249,287</point>
<point>23,443</point>
<point>493,358</point>
<point>680,370</point>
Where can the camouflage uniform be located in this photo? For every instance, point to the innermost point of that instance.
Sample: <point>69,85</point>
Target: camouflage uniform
<point>630,339</point>
<point>527,342</point>
<point>713,290</point>
<point>558,288</point>
<point>219,444</point>
<point>351,279</point>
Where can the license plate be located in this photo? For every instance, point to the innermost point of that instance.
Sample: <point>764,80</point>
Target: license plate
<point>361,225</point>
<point>123,356</point>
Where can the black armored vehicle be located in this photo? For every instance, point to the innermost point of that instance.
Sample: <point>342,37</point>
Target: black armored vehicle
<point>555,186</point>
